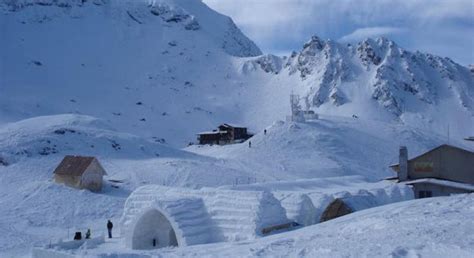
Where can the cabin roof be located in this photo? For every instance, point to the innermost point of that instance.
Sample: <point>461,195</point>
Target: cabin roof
<point>232,125</point>
<point>212,132</point>
<point>395,166</point>
<point>441,182</point>
<point>75,165</point>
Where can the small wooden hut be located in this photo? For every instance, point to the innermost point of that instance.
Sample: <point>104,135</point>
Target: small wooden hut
<point>80,172</point>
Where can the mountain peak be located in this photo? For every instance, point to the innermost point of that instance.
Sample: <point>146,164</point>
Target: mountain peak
<point>190,15</point>
<point>314,45</point>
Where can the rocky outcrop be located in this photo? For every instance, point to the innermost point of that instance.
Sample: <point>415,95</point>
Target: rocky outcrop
<point>390,75</point>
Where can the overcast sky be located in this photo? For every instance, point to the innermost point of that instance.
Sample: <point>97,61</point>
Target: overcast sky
<point>442,27</point>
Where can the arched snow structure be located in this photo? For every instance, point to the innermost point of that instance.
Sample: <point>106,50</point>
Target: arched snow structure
<point>168,221</point>
<point>299,207</point>
<point>335,209</point>
<point>346,202</point>
<point>197,216</point>
<point>153,230</point>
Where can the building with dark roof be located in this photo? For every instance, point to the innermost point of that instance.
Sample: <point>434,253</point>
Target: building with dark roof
<point>441,171</point>
<point>225,134</point>
<point>80,172</point>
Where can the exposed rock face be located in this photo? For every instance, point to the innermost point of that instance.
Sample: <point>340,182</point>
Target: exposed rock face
<point>387,73</point>
<point>268,63</point>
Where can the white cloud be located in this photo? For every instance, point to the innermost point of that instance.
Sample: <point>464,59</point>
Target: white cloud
<point>371,32</point>
<point>426,25</point>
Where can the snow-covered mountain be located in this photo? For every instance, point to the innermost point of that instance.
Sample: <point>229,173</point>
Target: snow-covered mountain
<point>160,68</point>
<point>128,81</point>
<point>171,68</point>
<point>190,15</point>
<point>377,79</point>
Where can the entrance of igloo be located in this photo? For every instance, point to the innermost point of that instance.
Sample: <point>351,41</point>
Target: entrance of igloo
<point>153,230</point>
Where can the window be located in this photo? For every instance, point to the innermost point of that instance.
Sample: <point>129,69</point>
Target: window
<point>425,194</point>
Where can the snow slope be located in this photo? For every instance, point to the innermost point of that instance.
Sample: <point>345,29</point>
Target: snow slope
<point>149,67</point>
<point>35,210</point>
<point>329,147</point>
<point>72,134</point>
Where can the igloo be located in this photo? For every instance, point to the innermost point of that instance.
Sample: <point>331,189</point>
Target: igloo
<point>158,216</point>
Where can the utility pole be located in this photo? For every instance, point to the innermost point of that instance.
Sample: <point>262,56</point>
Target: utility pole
<point>448,133</point>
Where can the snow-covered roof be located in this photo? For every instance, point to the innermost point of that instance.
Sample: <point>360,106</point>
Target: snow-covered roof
<point>232,125</point>
<point>212,132</point>
<point>435,181</point>
<point>471,138</point>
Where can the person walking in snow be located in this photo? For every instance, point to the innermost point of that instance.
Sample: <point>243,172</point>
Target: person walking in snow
<point>250,144</point>
<point>265,132</point>
<point>88,233</point>
<point>109,227</point>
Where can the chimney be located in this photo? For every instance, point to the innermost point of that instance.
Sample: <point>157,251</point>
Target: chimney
<point>403,161</point>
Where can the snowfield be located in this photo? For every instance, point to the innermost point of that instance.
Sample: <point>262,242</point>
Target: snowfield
<point>34,147</point>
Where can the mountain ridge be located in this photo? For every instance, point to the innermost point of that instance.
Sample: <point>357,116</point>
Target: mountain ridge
<point>331,75</point>
<point>156,66</point>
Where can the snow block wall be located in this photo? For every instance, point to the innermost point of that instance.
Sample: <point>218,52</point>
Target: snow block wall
<point>359,200</point>
<point>299,207</point>
<point>158,216</point>
<point>364,199</point>
<point>305,201</point>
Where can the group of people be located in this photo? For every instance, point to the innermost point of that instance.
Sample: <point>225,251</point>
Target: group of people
<point>110,226</point>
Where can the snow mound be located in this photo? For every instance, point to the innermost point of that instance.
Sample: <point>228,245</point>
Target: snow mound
<point>71,134</point>
<point>325,148</point>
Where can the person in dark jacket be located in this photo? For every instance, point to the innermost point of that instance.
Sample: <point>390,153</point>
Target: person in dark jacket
<point>109,227</point>
<point>88,234</point>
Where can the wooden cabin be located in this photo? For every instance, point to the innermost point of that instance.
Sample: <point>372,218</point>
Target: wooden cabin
<point>444,170</point>
<point>80,172</point>
<point>225,134</point>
